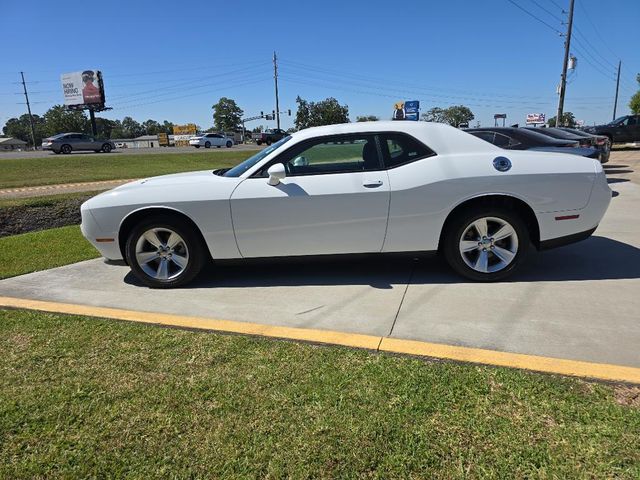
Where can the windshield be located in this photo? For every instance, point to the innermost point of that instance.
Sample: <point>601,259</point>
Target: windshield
<point>251,161</point>
<point>618,120</point>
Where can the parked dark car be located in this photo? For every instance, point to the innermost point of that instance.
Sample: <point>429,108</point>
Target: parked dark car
<point>269,136</point>
<point>599,142</point>
<point>69,142</point>
<point>623,129</point>
<point>512,138</point>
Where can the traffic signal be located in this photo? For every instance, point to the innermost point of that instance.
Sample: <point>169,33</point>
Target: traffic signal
<point>261,113</point>
<point>289,112</point>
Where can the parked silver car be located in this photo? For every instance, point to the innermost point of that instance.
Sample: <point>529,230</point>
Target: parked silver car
<point>69,142</point>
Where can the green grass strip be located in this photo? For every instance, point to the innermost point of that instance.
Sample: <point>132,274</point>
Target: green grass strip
<point>89,398</point>
<point>35,251</point>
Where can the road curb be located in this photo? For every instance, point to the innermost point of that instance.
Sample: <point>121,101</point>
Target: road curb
<point>599,371</point>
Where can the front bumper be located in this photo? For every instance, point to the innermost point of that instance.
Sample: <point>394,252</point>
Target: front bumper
<point>105,242</point>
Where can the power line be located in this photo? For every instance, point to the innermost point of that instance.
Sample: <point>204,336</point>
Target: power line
<point>535,17</point>
<point>548,11</point>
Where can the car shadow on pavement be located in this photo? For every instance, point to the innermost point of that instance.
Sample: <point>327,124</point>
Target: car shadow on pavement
<point>597,258</point>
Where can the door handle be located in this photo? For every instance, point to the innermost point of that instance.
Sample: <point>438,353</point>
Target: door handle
<point>372,183</point>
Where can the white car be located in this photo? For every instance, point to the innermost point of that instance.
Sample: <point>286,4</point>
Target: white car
<point>354,188</point>
<point>208,140</point>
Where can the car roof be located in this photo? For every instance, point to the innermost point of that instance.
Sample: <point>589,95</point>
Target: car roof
<point>441,138</point>
<point>524,135</point>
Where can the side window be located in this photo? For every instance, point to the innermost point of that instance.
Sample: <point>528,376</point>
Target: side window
<point>503,141</point>
<point>340,154</point>
<point>632,121</point>
<point>400,148</point>
<point>486,136</point>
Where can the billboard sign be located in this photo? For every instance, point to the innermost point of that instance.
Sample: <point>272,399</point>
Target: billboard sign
<point>409,110</point>
<point>535,118</point>
<point>188,129</point>
<point>82,89</point>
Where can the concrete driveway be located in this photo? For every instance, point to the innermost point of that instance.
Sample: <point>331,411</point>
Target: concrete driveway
<point>580,302</point>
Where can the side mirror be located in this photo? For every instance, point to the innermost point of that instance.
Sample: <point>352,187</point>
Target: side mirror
<point>276,173</point>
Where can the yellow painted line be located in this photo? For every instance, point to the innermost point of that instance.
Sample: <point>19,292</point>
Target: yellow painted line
<point>560,366</point>
<point>602,371</point>
<point>310,335</point>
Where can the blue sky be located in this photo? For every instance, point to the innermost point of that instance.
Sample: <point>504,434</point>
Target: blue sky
<point>171,61</point>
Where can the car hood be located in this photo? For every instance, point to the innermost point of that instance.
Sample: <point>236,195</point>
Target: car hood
<point>167,189</point>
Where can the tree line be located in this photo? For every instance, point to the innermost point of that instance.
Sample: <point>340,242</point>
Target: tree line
<point>227,116</point>
<point>59,120</point>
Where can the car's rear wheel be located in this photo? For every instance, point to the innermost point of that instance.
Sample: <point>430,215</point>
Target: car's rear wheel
<point>268,142</point>
<point>259,142</point>
<point>106,148</point>
<point>66,149</point>
<point>229,144</point>
<point>486,244</point>
<point>207,145</point>
<point>164,252</point>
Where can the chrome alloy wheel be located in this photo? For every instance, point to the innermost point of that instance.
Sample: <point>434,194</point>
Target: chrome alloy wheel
<point>161,253</point>
<point>488,244</point>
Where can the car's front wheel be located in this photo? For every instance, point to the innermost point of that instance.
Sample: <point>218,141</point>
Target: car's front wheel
<point>106,148</point>
<point>486,244</point>
<point>164,252</point>
<point>229,144</point>
<point>66,149</point>
<point>207,145</point>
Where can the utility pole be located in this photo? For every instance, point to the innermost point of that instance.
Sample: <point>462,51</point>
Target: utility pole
<point>615,102</point>
<point>563,77</point>
<point>275,78</point>
<point>26,96</point>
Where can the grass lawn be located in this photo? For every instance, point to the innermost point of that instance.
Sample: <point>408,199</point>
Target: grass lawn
<point>21,172</point>
<point>34,251</point>
<point>83,397</point>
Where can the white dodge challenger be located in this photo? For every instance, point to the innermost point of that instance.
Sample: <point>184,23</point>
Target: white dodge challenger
<point>373,187</point>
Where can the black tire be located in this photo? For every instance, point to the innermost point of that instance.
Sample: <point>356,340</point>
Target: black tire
<point>456,227</point>
<point>66,149</point>
<point>207,145</point>
<point>268,141</point>
<point>197,146</point>
<point>229,144</point>
<point>259,142</point>
<point>196,250</point>
<point>106,148</point>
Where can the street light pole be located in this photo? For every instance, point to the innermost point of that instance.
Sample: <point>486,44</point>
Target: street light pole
<point>563,77</point>
<point>26,96</point>
<point>275,78</point>
<point>615,102</point>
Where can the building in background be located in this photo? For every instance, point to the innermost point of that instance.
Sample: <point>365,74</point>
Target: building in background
<point>9,143</point>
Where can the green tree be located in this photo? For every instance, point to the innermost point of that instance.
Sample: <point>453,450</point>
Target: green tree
<point>20,128</point>
<point>151,127</point>
<point>436,114</point>
<point>568,120</point>
<point>227,115</point>
<point>104,127</point>
<point>458,115</point>
<point>325,112</point>
<point>634,103</point>
<point>367,118</point>
<point>60,120</point>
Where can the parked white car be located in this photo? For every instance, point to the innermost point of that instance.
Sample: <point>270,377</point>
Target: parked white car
<point>208,140</point>
<point>356,188</point>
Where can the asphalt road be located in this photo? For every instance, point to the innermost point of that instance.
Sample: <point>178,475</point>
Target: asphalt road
<point>578,302</point>
<point>132,151</point>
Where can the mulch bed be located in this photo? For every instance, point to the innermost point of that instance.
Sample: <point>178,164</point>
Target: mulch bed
<point>41,216</point>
